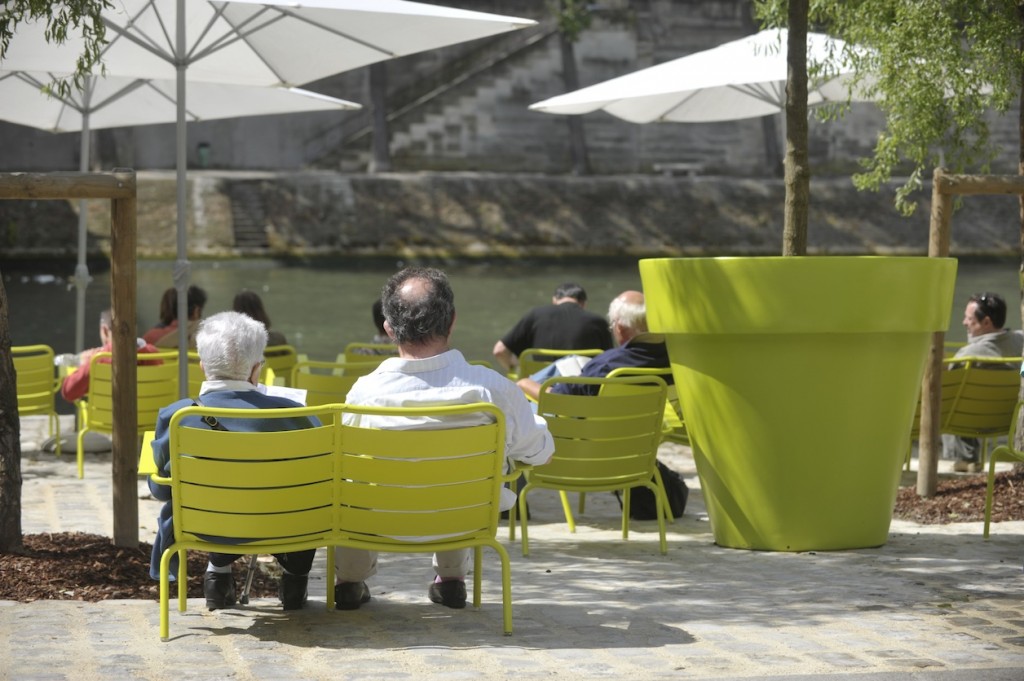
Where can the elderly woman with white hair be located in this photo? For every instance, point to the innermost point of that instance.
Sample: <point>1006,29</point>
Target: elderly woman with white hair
<point>230,348</point>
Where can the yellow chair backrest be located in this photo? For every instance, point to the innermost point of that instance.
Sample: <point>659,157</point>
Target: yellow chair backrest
<point>281,359</point>
<point>673,425</point>
<point>369,352</point>
<point>327,382</point>
<point>611,439</point>
<point>416,485</point>
<point>37,383</point>
<point>986,397</point>
<point>978,396</point>
<point>533,360</point>
<point>156,387</point>
<point>274,490</point>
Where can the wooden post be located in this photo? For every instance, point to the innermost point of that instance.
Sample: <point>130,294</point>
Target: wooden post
<point>124,480</point>
<point>930,440</point>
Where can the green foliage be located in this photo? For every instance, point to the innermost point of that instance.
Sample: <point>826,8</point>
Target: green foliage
<point>63,19</point>
<point>574,17</point>
<point>937,69</point>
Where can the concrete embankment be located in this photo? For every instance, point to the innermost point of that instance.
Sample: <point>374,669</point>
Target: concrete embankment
<point>498,215</point>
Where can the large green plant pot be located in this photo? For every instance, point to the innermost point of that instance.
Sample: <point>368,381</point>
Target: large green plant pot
<point>798,379</point>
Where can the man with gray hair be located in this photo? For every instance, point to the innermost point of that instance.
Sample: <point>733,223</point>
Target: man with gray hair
<point>419,312</point>
<point>637,348</point>
<point>76,385</point>
<point>230,348</point>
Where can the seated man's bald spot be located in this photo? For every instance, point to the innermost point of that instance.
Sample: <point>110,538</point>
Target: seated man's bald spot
<point>632,297</point>
<point>415,290</point>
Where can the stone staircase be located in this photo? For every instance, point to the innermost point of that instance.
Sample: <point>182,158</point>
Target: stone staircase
<point>248,218</point>
<point>453,124</point>
<point>427,117</point>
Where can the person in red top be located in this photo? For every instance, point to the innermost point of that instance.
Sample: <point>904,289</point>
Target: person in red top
<point>76,385</point>
<point>165,333</point>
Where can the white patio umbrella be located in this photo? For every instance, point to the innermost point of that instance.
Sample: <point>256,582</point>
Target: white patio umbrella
<point>252,42</point>
<point>745,78</point>
<point>112,101</point>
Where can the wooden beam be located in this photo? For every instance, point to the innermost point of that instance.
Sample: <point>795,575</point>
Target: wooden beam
<point>977,184</point>
<point>116,185</point>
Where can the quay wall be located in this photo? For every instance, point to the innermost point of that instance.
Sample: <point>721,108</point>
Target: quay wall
<point>463,214</point>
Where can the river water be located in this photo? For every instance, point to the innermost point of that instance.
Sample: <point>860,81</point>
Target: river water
<point>320,305</point>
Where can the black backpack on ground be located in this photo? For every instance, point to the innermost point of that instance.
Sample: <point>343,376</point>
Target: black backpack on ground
<point>641,499</point>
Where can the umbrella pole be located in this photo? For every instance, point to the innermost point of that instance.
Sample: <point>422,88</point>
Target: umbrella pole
<point>181,266</point>
<point>81,277</point>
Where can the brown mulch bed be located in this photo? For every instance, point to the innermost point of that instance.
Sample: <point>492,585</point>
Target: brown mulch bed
<point>76,566</point>
<point>88,567</point>
<point>962,500</point>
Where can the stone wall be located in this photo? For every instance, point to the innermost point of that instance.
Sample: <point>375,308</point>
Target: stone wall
<point>492,215</point>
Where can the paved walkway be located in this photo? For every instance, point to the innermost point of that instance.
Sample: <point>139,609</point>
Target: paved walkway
<point>936,602</point>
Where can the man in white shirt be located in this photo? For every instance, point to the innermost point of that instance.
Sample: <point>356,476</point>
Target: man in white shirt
<point>419,311</point>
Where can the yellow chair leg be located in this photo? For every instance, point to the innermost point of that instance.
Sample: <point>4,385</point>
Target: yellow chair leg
<point>523,520</point>
<point>506,588</point>
<point>666,507</point>
<point>568,511</point>
<point>165,588</point>
<point>512,514</point>
<point>662,542</point>
<point>582,504</point>
<point>625,512</point>
<point>55,428</point>
<point>81,452</point>
<point>330,578</point>
<point>477,567</point>
<point>989,490</point>
<point>182,580</point>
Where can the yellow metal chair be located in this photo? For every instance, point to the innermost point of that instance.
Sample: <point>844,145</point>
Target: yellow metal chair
<point>533,360</point>
<point>37,384</point>
<point>368,352</point>
<point>327,382</point>
<point>281,359</point>
<point>603,443</point>
<point>673,428</point>
<point>1005,452</point>
<point>156,387</point>
<point>425,490</point>
<point>978,398</point>
<point>269,491</point>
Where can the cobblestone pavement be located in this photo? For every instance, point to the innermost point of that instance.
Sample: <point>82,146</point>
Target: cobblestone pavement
<point>936,602</point>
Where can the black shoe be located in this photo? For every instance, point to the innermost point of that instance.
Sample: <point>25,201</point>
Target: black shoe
<point>293,591</point>
<point>350,595</point>
<point>219,589</point>
<point>450,594</point>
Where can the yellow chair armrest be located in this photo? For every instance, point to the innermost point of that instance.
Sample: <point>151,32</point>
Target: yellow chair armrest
<point>518,469</point>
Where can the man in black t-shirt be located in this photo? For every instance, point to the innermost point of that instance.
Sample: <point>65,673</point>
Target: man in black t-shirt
<point>565,324</point>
